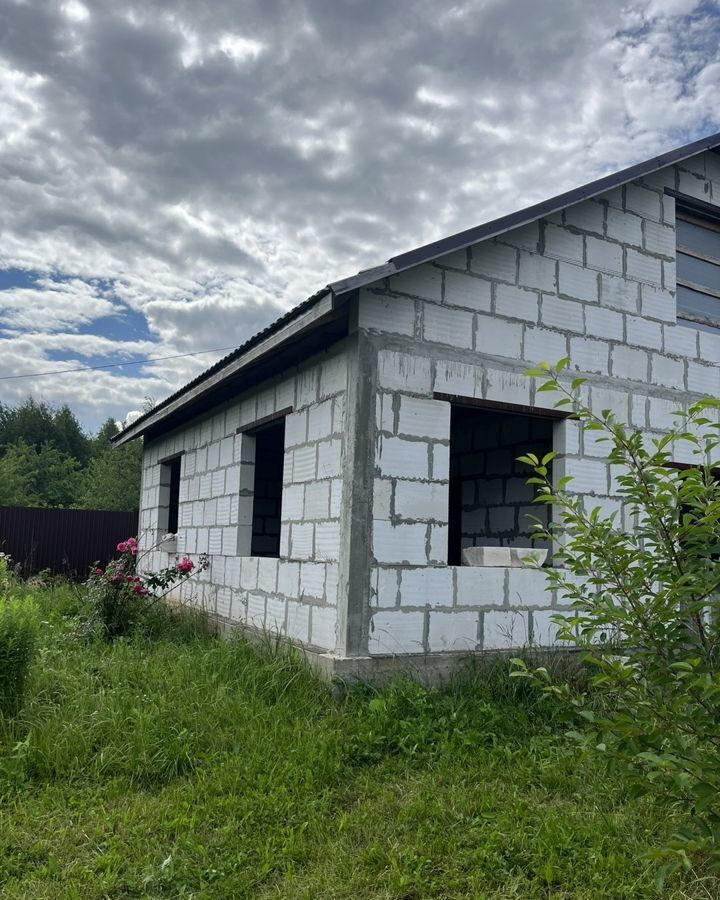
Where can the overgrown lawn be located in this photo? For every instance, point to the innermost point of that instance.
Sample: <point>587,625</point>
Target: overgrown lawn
<point>178,765</point>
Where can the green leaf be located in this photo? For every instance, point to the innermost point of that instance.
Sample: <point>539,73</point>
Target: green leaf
<point>520,663</point>
<point>705,791</point>
<point>529,459</point>
<point>661,875</point>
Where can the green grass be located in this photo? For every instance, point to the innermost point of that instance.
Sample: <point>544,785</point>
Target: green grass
<point>177,765</point>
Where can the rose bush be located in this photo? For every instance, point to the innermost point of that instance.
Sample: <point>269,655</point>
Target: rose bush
<point>120,596</point>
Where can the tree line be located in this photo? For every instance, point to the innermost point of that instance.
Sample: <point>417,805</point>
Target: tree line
<point>46,459</point>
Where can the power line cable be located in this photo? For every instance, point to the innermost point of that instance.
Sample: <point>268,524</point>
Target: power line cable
<point>132,362</point>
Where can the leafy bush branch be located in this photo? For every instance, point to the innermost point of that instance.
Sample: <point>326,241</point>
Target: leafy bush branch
<point>643,584</point>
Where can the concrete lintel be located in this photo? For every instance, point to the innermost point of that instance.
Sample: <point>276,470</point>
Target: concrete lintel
<point>441,353</point>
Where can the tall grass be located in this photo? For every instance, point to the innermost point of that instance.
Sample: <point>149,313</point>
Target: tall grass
<point>19,624</point>
<point>156,706</point>
<point>176,764</point>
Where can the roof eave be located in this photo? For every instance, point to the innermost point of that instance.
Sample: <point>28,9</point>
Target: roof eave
<point>322,305</point>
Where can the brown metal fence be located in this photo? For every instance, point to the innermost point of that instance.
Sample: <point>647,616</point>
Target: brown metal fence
<point>66,541</point>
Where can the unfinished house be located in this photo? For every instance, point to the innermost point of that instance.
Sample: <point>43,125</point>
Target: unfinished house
<point>351,470</point>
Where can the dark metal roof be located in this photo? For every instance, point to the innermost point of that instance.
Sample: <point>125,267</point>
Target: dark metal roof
<point>433,250</point>
<point>429,252</point>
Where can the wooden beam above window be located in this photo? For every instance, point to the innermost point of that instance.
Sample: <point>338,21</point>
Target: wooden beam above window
<point>264,421</point>
<point>501,406</point>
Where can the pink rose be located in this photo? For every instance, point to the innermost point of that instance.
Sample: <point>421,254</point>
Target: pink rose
<point>122,546</point>
<point>116,579</point>
<point>99,572</point>
<point>185,566</point>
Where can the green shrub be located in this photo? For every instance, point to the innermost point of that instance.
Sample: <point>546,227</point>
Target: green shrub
<point>6,576</point>
<point>643,584</point>
<point>19,626</point>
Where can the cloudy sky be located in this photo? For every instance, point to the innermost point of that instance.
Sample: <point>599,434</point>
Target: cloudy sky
<point>176,175</point>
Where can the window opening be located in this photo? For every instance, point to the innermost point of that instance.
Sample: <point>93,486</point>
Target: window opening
<point>170,482</point>
<point>267,489</point>
<point>698,269</point>
<point>490,500</point>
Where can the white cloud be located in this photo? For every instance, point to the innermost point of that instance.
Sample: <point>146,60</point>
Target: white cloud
<point>209,165</point>
<point>433,97</point>
<point>239,48</point>
<point>75,11</point>
<point>671,7</point>
<point>53,304</point>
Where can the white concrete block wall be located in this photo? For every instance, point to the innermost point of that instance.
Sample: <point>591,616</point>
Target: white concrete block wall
<point>456,608</point>
<point>604,269</point>
<point>411,479</point>
<point>418,602</point>
<point>310,528</point>
<point>297,594</point>
<point>596,282</point>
